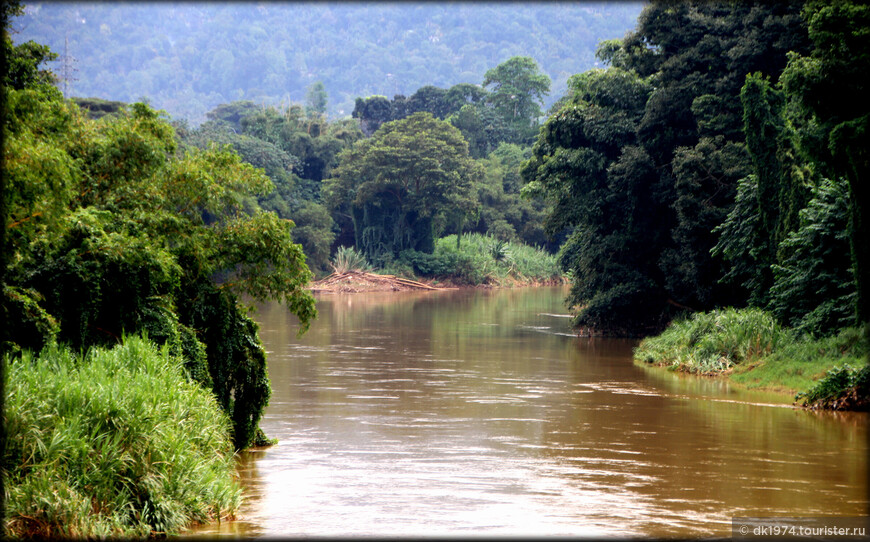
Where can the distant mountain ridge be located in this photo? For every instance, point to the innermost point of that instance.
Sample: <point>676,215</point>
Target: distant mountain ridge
<point>188,58</point>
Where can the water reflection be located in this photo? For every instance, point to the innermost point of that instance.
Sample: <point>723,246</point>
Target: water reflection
<point>477,412</point>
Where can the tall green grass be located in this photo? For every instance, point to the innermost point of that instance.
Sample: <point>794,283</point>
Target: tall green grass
<point>112,443</point>
<point>482,259</point>
<point>715,341</point>
<point>755,351</point>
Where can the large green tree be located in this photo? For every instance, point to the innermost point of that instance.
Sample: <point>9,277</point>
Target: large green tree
<point>588,164</point>
<point>517,90</point>
<point>403,185</point>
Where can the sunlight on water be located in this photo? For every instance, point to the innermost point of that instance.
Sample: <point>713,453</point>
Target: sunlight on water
<point>480,413</point>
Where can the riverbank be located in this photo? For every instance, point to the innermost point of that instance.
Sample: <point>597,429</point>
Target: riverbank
<point>113,443</point>
<point>470,261</point>
<point>360,281</point>
<point>751,350</point>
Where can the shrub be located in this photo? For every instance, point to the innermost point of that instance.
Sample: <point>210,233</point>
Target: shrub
<point>348,259</point>
<point>716,340</point>
<point>113,442</point>
<point>459,266</point>
<point>842,388</point>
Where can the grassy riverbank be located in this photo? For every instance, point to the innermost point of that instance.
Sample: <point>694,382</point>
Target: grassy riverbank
<point>112,443</point>
<point>751,349</point>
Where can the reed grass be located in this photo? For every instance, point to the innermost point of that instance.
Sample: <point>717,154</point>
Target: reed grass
<point>112,443</point>
<point>754,350</point>
<point>715,341</point>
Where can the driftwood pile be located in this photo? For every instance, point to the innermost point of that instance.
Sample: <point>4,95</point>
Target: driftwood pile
<point>357,281</point>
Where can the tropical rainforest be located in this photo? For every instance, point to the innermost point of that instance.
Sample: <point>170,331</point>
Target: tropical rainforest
<point>710,173</point>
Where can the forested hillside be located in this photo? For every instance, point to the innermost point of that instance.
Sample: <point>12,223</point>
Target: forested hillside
<point>187,58</point>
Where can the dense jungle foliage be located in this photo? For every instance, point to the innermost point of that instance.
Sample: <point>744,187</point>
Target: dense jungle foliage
<point>395,180</point>
<point>717,160</point>
<point>110,229</point>
<point>190,57</point>
<point>720,160</point>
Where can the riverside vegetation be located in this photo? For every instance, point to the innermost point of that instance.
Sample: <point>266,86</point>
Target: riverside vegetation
<point>118,225</point>
<point>713,175</point>
<point>113,442</point>
<point>721,161</point>
<point>109,233</point>
<point>756,352</point>
<point>469,259</point>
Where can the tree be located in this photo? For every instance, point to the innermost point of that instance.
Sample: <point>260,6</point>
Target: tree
<point>705,179</point>
<point>22,63</point>
<point>428,98</point>
<point>516,92</point>
<point>676,154</point>
<point>401,185</point>
<point>600,183</point>
<point>503,212</point>
<point>829,84</point>
<point>699,54</point>
<point>296,150</point>
<point>463,94</point>
<point>314,231</point>
<point>316,99</point>
<point>372,112</point>
<point>814,286</point>
<point>778,182</point>
<point>233,113</point>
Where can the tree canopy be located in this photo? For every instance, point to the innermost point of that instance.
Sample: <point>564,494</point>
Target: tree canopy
<point>403,185</point>
<point>669,161</point>
<point>517,92</point>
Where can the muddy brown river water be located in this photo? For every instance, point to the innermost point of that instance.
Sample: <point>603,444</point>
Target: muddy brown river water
<point>478,413</point>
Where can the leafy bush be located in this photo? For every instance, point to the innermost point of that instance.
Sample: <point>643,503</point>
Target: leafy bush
<point>112,443</point>
<point>842,387</point>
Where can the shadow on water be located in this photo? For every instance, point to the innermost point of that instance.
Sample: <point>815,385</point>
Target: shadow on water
<point>475,412</point>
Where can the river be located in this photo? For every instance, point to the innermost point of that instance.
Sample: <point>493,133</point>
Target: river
<point>477,412</point>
